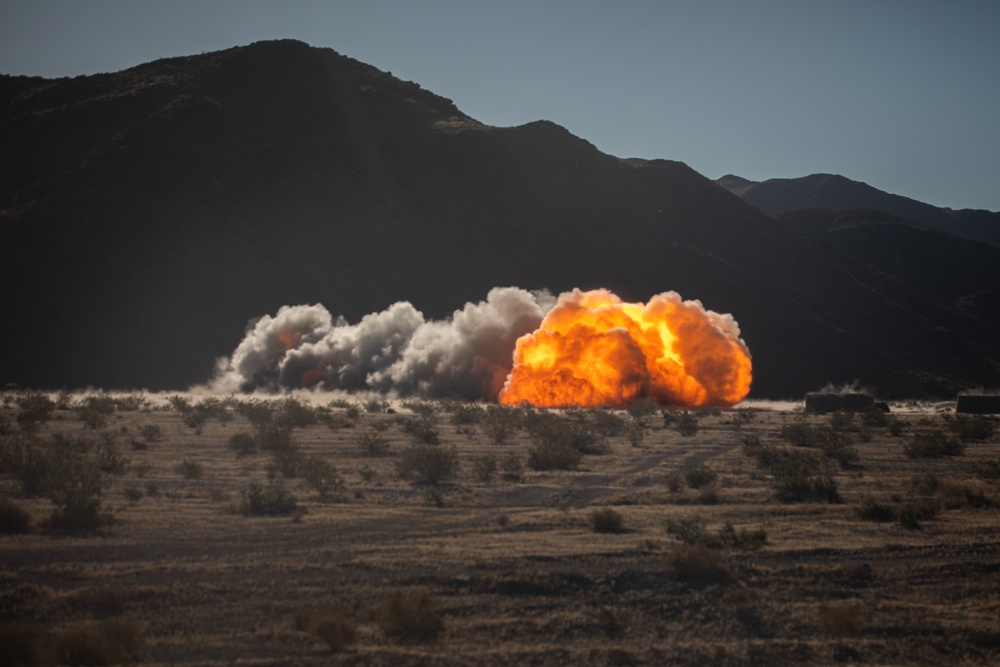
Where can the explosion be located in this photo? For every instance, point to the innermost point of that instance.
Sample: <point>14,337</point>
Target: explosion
<point>587,349</point>
<point>594,350</point>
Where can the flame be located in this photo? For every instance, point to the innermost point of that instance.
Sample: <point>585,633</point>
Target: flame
<point>593,350</point>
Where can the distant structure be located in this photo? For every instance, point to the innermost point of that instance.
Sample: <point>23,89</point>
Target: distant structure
<point>822,403</point>
<point>978,404</point>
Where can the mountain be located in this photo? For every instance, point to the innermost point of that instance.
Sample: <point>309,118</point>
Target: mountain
<point>828,191</point>
<point>147,215</point>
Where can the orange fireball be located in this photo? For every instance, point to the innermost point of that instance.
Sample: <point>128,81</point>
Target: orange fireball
<point>593,350</point>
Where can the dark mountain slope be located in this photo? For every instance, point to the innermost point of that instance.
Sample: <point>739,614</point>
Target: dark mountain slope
<point>827,191</point>
<point>146,215</point>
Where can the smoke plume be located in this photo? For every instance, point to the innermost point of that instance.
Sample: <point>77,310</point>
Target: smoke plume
<point>396,351</point>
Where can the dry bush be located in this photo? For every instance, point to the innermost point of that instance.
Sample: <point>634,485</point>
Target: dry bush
<point>840,620</point>
<point>694,531</point>
<point>484,468</point>
<point>410,617</point>
<point>606,520</point>
<point>110,642</point>
<point>35,410</point>
<point>373,444</point>
<point>321,476</point>
<point>422,429</point>
<point>511,468</point>
<point>698,475</point>
<point>242,443</point>
<point>934,444</point>
<point>973,429</point>
<point>13,517</point>
<point>331,626</point>
<point>189,469</point>
<point>500,423</point>
<point>698,564</point>
<point>271,499</point>
<point>427,464</point>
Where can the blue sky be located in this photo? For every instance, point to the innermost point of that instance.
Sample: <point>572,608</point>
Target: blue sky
<point>904,95</point>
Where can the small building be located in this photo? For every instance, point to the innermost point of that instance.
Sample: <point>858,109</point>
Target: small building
<point>822,403</point>
<point>978,404</point>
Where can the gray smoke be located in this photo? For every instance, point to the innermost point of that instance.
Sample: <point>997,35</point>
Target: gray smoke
<point>395,351</point>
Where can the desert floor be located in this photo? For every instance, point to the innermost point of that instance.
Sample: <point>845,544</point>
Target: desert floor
<point>505,568</point>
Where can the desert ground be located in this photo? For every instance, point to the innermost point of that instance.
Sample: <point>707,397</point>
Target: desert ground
<point>214,530</point>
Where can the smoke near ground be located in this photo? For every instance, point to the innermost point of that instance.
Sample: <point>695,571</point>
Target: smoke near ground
<point>395,351</point>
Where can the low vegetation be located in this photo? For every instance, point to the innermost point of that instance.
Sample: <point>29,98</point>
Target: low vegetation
<point>277,531</point>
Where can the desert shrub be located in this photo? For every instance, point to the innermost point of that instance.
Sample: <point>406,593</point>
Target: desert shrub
<point>91,418</point>
<point>547,454</point>
<point>933,444</point>
<point>108,455</point>
<point>549,431</point>
<point>271,499</point>
<point>332,627</point>
<point>292,413</point>
<point>801,476</point>
<point>410,617</point>
<point>13,517</point>
<point>674,481</point>
<point>20,645</point>
<point>189,469</point>
<point>422,429</point>
<point>179,403</point>
<point>75,485</point>
<point>427,464</point>
<point>367,473</point>
<point>484,468</point>
<point>130,402</point>
<point>258,413</point>
<point>989,469</point>
<point>641,410</point>
<point>288,463</point>
<point>35,410</point>
<point>29,462</point>
<point>697,475</point>
<point>873,417</point>
<point>500,423</point>
<point>841,420</point>
<point>973,429</point>
<point>909,514</point>
<point>511,468</point>
<point>686,423</point>
<point>466,414</point>
<point>375,406</point>
<point>321,476</point>
<point>110,642</point>
<point>608,423</point>
<point>605,520</point>
<point>242,443</point>
<point>636,433</point>
<point>698,564</point>
<point>840,620</point>
<point>275,438</point>
<point>874,510</point>
<point>373,443</point>
<point>133,494</point>
<point>694,531</point>
<point>422,408</point>
<point>151,433</point>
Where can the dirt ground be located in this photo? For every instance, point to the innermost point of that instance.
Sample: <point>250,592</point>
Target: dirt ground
<point>509,569</point>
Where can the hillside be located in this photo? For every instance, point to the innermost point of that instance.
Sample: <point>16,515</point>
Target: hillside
<point>147,215</point>
<point>828,191</point>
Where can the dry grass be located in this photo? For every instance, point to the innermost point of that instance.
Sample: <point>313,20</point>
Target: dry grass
<point>508,568</point>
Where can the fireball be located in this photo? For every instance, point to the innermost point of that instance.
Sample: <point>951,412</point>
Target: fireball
<point>594,350</point>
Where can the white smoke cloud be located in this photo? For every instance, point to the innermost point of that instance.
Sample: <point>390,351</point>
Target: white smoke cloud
<point>393,351</point>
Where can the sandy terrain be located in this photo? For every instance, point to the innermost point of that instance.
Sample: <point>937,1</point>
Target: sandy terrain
<point>513,570</point>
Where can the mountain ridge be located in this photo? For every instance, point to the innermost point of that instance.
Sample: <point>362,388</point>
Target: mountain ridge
<point>833,191</point>
<point>152,213</point>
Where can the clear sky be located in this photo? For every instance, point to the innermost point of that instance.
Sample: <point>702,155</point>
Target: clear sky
<point>901,94</point>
